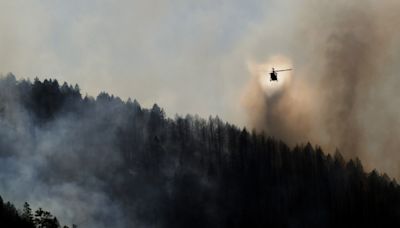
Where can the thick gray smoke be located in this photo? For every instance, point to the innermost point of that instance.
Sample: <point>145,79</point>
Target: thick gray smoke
<point>59,166</point>
<point>343,93</point>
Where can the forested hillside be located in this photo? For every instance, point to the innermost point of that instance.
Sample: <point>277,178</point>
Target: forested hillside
<point>108,163</point>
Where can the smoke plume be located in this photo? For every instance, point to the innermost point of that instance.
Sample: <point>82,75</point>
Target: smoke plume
<point>342,93</point>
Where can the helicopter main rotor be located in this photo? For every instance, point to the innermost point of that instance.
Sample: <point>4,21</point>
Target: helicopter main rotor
<point>283,70</point>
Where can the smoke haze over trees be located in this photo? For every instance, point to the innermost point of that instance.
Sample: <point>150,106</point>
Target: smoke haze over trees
<point>345,56</point>
<point>108,163</point>
<point>344,88</point>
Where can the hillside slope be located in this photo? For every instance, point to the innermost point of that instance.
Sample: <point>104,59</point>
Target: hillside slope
<point>107,163</point>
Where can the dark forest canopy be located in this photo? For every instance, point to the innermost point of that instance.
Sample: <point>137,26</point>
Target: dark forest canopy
<point>150,170</point>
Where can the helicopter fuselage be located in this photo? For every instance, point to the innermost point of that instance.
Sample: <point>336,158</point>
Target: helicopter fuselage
<point>274,74</point>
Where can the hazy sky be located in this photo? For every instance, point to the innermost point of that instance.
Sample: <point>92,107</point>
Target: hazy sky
<point>188,56</point>
<point>207,57</point>
<point>200,57</point>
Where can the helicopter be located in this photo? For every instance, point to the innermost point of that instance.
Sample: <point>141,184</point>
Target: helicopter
<point>274,74</point>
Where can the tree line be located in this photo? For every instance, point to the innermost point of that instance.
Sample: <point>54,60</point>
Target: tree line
<point>195,172</point>
<point>26,218</point>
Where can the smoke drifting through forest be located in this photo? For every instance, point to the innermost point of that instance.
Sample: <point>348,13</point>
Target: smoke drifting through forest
<point>107,163</point>
<point>51,165</point>
<point>343,90</point>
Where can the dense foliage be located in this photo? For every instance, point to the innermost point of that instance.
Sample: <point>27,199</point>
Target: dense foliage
<point>192,172</point>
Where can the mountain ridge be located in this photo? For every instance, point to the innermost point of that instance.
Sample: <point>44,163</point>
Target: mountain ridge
<point>131,166</point>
